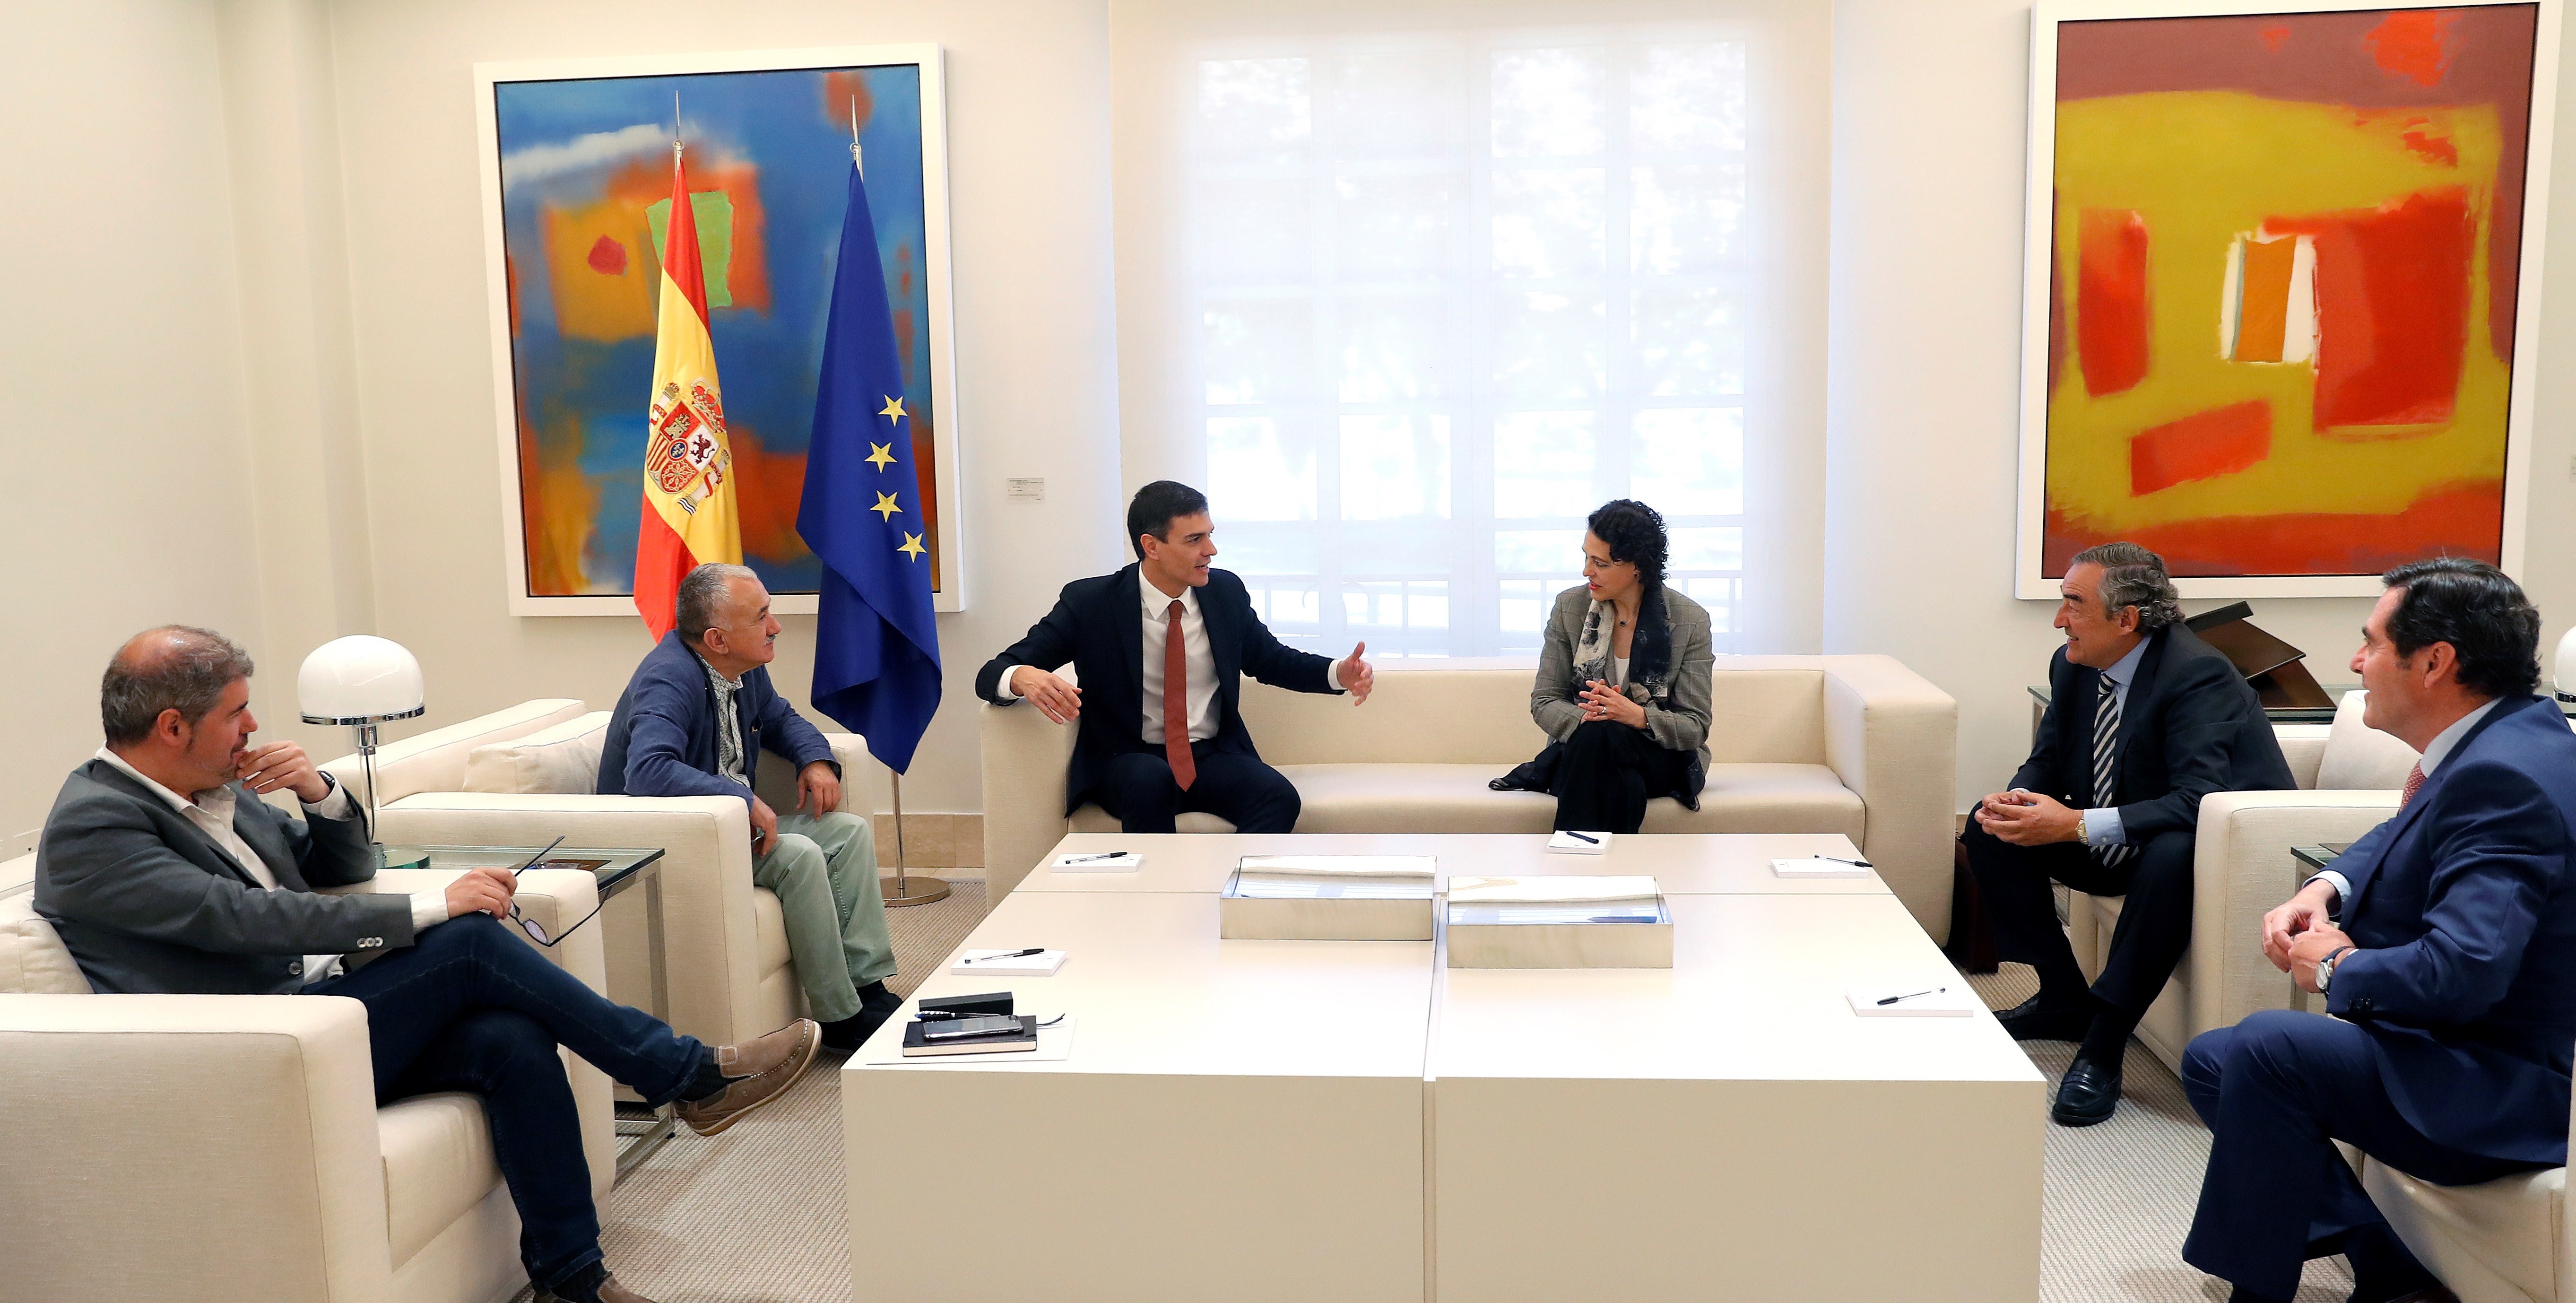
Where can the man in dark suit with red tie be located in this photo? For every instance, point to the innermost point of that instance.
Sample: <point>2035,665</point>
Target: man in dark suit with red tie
<point>2444,943</point>
<point>1159,648</point>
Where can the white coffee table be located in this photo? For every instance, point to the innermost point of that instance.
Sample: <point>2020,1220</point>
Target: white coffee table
<point>1728,1128</point>
<point>1680,863</point>
<point>1238,1120</point>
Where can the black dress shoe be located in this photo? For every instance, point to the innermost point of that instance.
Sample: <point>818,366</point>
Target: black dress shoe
<point>2030,1021</point>
<point>2087,1095</point>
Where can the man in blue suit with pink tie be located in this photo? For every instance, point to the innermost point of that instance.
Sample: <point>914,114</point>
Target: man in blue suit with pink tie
<point>2444,943</point>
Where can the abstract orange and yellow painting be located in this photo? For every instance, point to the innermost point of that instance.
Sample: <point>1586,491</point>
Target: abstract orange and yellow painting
<point>2282,286</point>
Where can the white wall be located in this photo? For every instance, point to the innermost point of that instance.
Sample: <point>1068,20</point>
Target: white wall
<point>1028,107</point>
<point>1930,117</point>
<point>121,355</point>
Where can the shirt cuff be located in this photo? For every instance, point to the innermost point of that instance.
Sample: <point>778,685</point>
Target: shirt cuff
<point>428,910</point>
<point>2102,827</point>
<point>2342,889</point>
<point>1333,677</point>
<point>338,804</point>
<point>1007,693</point>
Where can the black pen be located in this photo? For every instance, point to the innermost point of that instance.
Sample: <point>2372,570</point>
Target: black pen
<point>1016,954</point>
<point>1086,859</point>
<point>1894,998</point>
<point>1589,841</point>
<point>1836,859</point>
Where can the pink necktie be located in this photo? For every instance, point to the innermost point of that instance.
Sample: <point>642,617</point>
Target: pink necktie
<point>1176,703</point>
<point>2414,784</point>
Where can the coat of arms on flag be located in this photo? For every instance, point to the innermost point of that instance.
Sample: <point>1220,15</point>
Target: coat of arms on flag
<point>689,458</point>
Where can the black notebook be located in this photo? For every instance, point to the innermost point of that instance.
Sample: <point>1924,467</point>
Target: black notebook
<point>928,1037</point>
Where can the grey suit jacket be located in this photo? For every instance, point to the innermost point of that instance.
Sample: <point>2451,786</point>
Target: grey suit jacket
<point>1678,720</point>
<point>149,905</point>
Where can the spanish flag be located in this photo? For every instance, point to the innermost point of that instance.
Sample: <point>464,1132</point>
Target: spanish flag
<point>688,517</point>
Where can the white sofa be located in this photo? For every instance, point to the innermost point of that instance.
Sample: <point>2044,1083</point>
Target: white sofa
<point>1858,745</point>
<point>2349,775</point>
<point>228,1149</point>
<point>525,775</point>
<point>2505,1241</point>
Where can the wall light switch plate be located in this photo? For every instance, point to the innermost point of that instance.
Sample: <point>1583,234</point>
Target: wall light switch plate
<point>1027,488</point>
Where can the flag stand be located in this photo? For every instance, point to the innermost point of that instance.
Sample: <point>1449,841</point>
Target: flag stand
<point>905,891</point>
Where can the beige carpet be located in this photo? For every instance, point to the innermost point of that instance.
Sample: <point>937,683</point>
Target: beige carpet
<point>756,1215</point>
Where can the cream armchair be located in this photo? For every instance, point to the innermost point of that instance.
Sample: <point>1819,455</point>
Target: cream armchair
<point>229,1148</point>
<point>2507,1241</point>
<point>1858,745</point>
<point>523,776</point>
<point>2349,776</point>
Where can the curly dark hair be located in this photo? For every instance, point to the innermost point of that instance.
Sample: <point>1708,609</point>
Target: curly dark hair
<point>1635,533</point>
<point>2491,626</point>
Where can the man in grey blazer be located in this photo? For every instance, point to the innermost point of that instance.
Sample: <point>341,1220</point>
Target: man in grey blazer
<point>164,872</point>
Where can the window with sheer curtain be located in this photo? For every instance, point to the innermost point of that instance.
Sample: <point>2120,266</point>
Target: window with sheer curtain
<point>1450,292</point>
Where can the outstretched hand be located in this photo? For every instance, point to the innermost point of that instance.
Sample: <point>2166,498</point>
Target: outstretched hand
<point>1356,676</point>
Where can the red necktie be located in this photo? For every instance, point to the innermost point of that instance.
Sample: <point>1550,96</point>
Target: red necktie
<point>2414,784</point>
<point>1176,702</point>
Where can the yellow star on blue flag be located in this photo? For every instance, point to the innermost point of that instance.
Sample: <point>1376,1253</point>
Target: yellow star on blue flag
<point>893,408</point>
<point>912,546</point>
<point>885,507</point>
<point>880,455</point>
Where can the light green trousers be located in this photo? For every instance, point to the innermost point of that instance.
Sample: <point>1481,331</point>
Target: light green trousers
<point>824,871</point>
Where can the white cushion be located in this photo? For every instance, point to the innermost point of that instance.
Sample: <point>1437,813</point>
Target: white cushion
<point>438,1164</point>
<point>2513,1226</point>
<point>32,958</point>
<point>561,759</point>
<point>2359,758</point>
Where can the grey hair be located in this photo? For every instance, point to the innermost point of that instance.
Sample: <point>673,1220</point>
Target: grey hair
<point>175,667</point>
<point>2134,576</point>
<point>703,594</point>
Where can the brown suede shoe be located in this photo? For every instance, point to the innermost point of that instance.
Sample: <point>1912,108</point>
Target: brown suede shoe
<point>759,1071</point>
<point>609,1292</point>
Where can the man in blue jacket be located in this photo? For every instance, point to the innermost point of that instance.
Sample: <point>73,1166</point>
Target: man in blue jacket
<point>2444,943</point>
<point>693,722</point>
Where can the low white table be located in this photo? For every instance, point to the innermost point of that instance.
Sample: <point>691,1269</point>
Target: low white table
<point>1728,1128</point>
<point>1682,864</point>
<point>1238,1120</point>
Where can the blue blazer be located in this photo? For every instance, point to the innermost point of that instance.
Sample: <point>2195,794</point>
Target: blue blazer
<point>1099,625</point>
<point>2463,909</point>
<point>662,740</point>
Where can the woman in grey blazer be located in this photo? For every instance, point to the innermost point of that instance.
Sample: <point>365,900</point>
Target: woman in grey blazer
<point>1623,682</point>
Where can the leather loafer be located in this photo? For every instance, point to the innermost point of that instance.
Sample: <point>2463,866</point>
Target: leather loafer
<point>2029,1021</point>
<point>756,1072</point>
<point>609,1292</point>
<point>2088,1094</point>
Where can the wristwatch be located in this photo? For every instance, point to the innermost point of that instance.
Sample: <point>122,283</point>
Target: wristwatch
<point>2326,966</point>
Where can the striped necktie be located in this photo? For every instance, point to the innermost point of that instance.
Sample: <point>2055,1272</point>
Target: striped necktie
<point>2106,737</point>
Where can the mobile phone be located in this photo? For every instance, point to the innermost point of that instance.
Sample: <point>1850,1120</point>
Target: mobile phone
<point>951,1029</point>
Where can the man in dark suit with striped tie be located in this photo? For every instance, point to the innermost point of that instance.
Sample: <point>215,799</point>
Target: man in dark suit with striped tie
<point>2444,945</point>
<point>2143,720</point>
<point>1160,648</point>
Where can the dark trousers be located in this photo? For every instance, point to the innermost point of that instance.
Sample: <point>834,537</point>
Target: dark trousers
<point>473,1008</point>
<point>2277,1090</point>
<point>2155,920</point>
<point>1607,773</point>
<point>1239,789</point>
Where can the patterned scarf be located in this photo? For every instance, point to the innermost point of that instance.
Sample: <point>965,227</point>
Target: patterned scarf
<point>1650,651</point>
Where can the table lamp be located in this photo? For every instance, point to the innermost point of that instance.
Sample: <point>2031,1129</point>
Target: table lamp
<point>361,681</point>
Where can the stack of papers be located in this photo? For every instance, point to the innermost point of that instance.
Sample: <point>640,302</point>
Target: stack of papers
<point>1817,868</point>
<point>1949,997</point>
<point>1096,862</point>
<point>1586,843</point>
<point>982,963</point>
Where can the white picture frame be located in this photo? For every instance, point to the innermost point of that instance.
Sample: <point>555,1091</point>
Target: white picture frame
<point>938,329</point>
<point>2031,580</point>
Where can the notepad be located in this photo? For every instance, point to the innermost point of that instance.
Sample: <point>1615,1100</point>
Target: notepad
<point>1566,843</point>
<point>1079,862</point>
<point>1947,998</point>
<point>1055,1045</point>
<point>1037,965</point>
<point>1816,868</point>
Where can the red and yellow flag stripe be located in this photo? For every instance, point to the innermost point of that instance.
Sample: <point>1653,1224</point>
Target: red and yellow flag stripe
<point>689,517</point>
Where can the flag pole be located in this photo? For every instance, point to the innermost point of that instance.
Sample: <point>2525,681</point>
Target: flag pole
<point>904,892</point>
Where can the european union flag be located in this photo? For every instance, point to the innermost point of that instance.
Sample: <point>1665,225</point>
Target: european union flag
<point>876,648</point>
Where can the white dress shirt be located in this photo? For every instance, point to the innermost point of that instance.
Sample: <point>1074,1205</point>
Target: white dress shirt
<point>1198,662</point>
<point>211,813</point>
<point>2102,822</point>
<point>2435,752</point>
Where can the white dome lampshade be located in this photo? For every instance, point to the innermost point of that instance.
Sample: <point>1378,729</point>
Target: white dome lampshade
<point>359,680</point>
<point>2566,667</point>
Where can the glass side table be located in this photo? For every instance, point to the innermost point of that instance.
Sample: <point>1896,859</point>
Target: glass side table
<point>640,1130</point>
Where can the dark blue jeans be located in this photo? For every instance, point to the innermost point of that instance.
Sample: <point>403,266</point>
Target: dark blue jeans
<point>473,1008</point>
<point>2277,1091</point>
